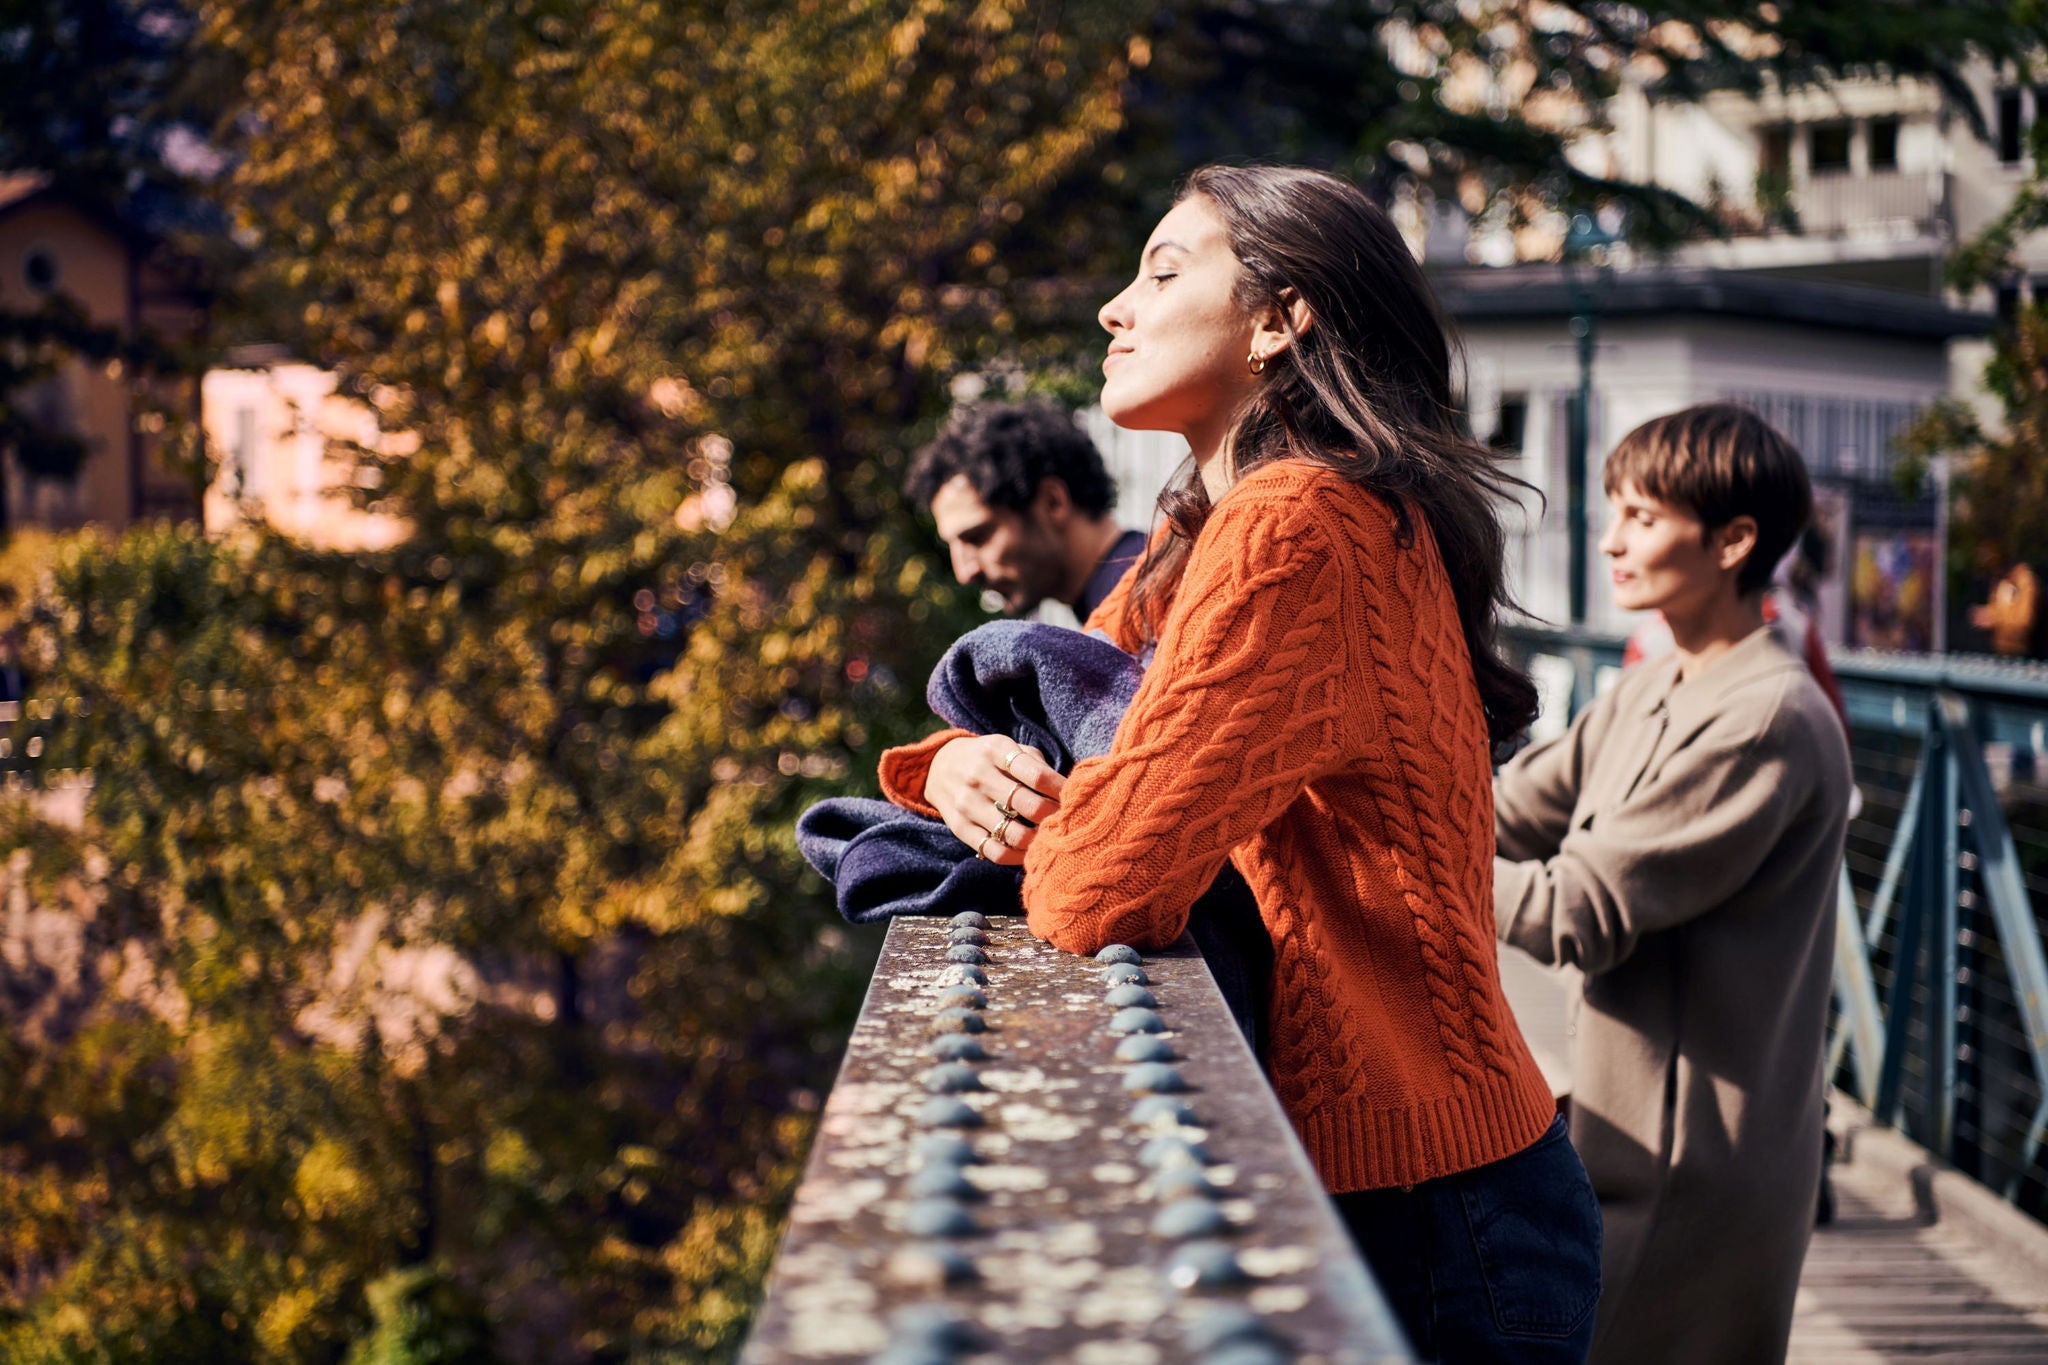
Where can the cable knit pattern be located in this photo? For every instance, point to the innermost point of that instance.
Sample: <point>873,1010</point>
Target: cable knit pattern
<point>1311,715</point>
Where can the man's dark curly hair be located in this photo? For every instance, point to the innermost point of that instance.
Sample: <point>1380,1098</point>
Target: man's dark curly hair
<point>1006,450</point>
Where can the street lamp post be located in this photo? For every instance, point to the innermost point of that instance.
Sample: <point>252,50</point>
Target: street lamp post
<point>1580,239</point>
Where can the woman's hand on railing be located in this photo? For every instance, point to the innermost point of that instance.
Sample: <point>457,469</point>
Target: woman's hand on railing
<point>993,793</point>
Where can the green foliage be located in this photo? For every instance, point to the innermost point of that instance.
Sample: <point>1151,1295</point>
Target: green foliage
<point>422,1317</point>
<point>1998,481</point>
<point>1999,474</point>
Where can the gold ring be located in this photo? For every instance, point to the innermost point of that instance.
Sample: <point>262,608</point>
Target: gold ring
<point>1008,805</point>
<point>1003,765</point>
<point>1002,829</point>
<point>978,850</point>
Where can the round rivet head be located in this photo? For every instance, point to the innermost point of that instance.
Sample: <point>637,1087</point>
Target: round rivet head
<point>962,997</point>
<point>1192,1217</point>
<point>937,1218</point>
<point>1125,974</point>
<point>1161,1111</point>
<point>958,1047</point>
<point>969,919</point>
<point>1223,1325</point>
<point>1247,1353</point>
<point>976,936</point>
<point>941,1182</point>
<point>966,952</point>
<point>1137,1019</point>
<point>1172,1150</point>
<point>935,1323</point>
<point>947,1112</point>
<point>957,1020</point>
<point>1125,996</point>
<point>1182,1182</point>
<point>1204,1265</point>
<point>914,1353</point>
<point>1154,1078</point>
<point>963,974</point>
<point>1119,952</point>
<point>1144,1047</point>
<point>930,1267</point>
<point>951,1078</point>
<point>945,1149</point>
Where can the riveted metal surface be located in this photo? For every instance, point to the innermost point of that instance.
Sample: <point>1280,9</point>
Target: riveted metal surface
<point>1064,1263</point>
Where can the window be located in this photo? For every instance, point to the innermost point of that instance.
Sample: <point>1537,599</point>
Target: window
<point>246,460</point>
<point>2011,131</point>
<point>2006,302</point>
<point>1830,148</point>
<point>1884,144</point>
<point>39,270</point>
<point>1776,157</point>
<point>1512,427</point>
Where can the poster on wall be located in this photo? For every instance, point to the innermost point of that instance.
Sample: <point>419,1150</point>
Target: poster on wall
<point>1892,589</point>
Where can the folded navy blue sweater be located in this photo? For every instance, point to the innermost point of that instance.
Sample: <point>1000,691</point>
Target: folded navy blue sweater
<point>1060,691</point>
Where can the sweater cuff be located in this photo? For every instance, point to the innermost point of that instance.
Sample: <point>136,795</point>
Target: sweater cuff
<point>904,769</point>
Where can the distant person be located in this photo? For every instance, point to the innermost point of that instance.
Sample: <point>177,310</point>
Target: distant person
<point>1679,844</point>
<point>1023,502</point>
<point>2009,615</point>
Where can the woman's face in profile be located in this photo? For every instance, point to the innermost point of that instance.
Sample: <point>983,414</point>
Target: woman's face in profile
<point>1178,338</point>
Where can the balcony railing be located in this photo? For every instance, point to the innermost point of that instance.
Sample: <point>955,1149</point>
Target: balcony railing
<point>1880,206</point>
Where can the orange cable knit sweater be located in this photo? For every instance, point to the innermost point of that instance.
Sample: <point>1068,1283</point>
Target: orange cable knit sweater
<point>1311,715</point>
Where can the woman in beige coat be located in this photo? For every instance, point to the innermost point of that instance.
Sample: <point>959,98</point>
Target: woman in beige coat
<point>1679,845</point>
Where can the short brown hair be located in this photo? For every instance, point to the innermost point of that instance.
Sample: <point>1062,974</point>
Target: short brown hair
<point>1721,461</point>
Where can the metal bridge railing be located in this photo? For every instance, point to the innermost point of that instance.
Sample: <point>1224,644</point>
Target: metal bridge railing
<point>1051,1157</point>
<point>1940,1022</point>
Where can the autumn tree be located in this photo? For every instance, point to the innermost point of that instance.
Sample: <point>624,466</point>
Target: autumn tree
<point>1998,471</point>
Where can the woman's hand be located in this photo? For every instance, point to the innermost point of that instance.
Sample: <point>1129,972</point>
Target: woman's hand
<point>993,793</point>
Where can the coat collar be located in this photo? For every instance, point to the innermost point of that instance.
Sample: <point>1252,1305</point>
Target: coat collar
<point>1691,702</point>
<point>1668,710</point>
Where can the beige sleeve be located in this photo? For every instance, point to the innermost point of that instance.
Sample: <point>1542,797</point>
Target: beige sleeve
<point>1684,843</point>
<point>1535,792</point>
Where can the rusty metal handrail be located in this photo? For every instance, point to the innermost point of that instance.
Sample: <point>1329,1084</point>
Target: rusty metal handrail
<point>1030,1155</point>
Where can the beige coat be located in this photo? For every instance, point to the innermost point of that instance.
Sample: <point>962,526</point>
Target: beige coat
<point>1680,845</point>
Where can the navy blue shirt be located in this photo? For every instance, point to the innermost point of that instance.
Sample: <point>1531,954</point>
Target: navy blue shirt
<point>1128,550</point>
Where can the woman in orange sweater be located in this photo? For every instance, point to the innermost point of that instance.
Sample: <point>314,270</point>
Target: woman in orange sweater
<point>1320,709</point>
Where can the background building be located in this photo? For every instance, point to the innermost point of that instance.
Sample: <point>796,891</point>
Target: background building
<point>54,244</point>
<point>280,437</point>
<point>1823,307</point>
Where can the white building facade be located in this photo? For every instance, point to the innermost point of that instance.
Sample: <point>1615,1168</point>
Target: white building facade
<point>280,435</point>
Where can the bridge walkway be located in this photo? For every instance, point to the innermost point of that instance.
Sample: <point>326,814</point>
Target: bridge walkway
<point>1919,1264</point>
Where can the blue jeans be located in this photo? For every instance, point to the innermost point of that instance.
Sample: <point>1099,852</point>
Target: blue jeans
<point>1501,1263</point>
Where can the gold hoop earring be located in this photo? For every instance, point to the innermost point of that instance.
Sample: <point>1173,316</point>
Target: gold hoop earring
<point>1255,362</point>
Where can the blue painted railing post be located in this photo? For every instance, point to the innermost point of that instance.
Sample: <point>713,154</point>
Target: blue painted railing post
<point>1941,955</point>
<point>1923,882</point>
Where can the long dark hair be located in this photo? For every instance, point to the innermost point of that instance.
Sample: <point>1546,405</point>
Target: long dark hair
<point>1365,391</point>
